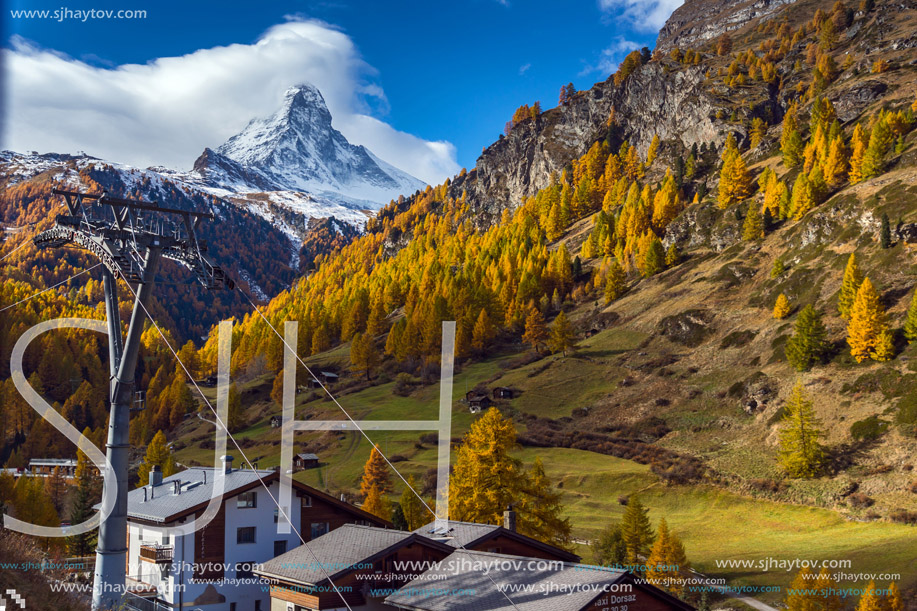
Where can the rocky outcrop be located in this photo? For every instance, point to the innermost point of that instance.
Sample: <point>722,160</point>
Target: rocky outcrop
<point>659,98</point>
<point>700,21</point>
<point>214,168</point>
<point>690,328</point>
<point>519,164</point>
<point>855,99</point>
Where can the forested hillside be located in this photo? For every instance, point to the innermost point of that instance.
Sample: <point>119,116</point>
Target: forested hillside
<point>694,281</point>
<point>691,276</point>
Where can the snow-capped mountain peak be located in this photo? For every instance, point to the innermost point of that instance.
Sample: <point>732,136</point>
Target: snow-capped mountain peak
<point>297,149</point>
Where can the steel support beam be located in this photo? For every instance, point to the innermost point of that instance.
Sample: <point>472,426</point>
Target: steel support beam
<point>108,586</point>
<point>113,315</point>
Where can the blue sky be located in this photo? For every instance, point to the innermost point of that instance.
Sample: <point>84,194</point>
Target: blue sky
<point>442,72</point>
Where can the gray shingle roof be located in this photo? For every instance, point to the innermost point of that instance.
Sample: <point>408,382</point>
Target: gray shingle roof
<point>308,456</point>
<point>332,554</point>
<point>469,534</point>
<point>194,491</point>
<point>458,534</point>
<point>460,583</point>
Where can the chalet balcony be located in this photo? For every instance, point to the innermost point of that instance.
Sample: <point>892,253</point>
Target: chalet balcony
<point>139,603</point>
<point>159,554</point>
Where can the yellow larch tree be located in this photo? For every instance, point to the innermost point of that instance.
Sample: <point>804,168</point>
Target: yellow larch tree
<point>376,473</point>
<point>666,561</point>
<point>790,139</point>
<point>871,600</point>
<point>734,176</point>
<point>858,144</point>
<point>801,453</point>
<point>853,277</point>
<point>867,332</point>
<point>377,504</point>
<point>836,163</point>
<point>653,150</point>
<point>781,307</point>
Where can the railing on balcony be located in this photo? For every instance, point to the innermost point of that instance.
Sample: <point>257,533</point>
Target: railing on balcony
<point>160,554</point>
<point>138,603</point>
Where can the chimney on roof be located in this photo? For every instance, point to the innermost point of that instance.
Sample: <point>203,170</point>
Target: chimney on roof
<point>155,475</point>
<point>227,464</point>
<point>509,519</point>
<point>176,487</point>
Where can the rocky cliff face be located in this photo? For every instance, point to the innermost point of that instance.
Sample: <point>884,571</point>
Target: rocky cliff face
<point>654,100</point>
<point>700,21</point>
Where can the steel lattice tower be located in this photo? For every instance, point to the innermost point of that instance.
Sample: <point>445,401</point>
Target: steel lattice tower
<point>130,238</point>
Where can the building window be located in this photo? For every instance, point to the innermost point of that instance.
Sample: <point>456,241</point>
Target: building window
<point>247,500</point>
<point>246,534</point>
<point>280,547</point>
<point>306,500</point>
<point>319,529</point>
<point>232,606</point>
<point>244,570</point>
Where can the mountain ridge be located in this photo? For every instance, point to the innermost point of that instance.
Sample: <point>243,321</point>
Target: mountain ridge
<point>626,227</point>
<point>297,149</point>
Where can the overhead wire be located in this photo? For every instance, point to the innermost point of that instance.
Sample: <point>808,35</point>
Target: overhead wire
<point>236,443</point>
<point>358,428</point>
<point>223,425</point>
<point>10,253</point>
<point>33,296</point>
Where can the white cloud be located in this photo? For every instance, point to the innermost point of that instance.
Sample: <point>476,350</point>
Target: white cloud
<point>611,57</point>
<point>524,68</point>
<point>649,15</point>
<point>166,111</point>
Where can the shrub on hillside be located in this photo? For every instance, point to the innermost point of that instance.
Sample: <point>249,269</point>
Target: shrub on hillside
<point>859,500</point>
<point>903,516</point>
<point>868,429</point>
<point>681,471</point>
<point>404,383</point>
<point>765,484</point>
<point>906,418</point>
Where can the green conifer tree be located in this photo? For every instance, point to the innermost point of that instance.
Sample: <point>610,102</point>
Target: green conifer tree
<point>849,287</point>
<point>610,549</point>
<point>615,282</point>
<point>654,258</point>
<point>910,323</point>
<point>637,531</point>
<point>801,453</point>
<point>808,344</point>
<point>563,337</point>
<point>753,227</point>
<point>885,232</point>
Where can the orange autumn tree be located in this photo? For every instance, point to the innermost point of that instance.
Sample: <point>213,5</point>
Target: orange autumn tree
<point>377,504</point>
<point>734,175</point>
<point>868,333</point>
<point>487,479</point>
<point>375,473</point>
